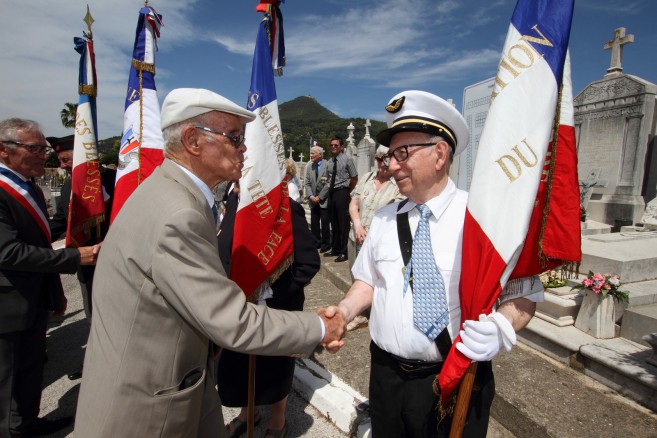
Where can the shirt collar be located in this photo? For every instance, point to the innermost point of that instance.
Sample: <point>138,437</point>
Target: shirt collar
<point>438,204</point>
<point>200,184</point>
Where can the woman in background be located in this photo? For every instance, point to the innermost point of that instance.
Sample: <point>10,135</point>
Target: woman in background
<point>273,377</point>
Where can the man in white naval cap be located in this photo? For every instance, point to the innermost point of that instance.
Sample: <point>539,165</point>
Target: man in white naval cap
<point>161,296</point>
<point>408,271</point>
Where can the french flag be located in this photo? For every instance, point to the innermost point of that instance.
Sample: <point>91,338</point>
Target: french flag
<point>262,242</point>
<point>87,204</point>
<point>141,149</point>
<point>511,163</point>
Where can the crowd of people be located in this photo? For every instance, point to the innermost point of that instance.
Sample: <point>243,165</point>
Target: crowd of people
<point>171,334</point>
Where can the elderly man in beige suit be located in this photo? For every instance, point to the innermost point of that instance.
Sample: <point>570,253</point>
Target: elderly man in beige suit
<point>161,296</point>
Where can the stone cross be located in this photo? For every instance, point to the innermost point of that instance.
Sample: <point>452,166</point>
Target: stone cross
<point>301,157</point>
<point>367,127</point>
<point>616,46</point>
<point>290,153</point>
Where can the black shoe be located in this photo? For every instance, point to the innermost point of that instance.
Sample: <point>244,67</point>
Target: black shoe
<point>325,248</point>
<point>331,254</point>
<point>41,427</point>
<point>341,258</point>
<point>75,375</point>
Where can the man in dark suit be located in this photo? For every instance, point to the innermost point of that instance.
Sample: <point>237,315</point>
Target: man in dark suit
<point>314,182</point>
<point>30,286</point>
<point>63,146</point>
<point>342,177</point>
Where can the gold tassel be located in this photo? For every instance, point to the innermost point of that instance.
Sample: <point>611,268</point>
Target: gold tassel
<point>444,410</point>
<point>87,89</point>
<point>143,66</point>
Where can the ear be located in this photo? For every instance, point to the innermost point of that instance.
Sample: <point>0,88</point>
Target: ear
<point>442,154</point>
<point>189,137</point>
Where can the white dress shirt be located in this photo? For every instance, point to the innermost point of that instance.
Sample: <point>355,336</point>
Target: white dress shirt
<point>380,264</point>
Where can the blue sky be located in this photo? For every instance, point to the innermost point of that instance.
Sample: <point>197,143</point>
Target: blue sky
<point>352,56</point>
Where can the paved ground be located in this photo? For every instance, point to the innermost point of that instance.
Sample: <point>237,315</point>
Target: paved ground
<point>536,397</point>
<point>66,340</point>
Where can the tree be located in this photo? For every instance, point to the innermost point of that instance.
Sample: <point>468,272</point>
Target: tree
<point>68,113</point>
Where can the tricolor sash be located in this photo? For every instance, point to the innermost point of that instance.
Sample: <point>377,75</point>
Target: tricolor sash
<point>22,192</point>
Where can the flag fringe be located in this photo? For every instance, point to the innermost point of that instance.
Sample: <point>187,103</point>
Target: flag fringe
<point>542,257</point>
<point>444,408</point>
<point>257,293</point>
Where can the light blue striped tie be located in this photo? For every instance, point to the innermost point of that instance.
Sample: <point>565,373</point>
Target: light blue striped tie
<point>430,313</point>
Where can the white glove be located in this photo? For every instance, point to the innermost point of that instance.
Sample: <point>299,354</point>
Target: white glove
<point>481,340</point>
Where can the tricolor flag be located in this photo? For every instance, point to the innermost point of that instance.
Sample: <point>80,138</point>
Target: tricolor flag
<point>262,242</point>
<point>511,162</point>
<point>275,31</point>
<point>141,146</point>
<point>87,204</point>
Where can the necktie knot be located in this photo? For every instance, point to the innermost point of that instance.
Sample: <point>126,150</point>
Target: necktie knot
<point>425,212</point>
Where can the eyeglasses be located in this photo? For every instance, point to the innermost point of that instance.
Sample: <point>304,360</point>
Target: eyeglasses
<point>236,140</point>
<point>335,145</point>
<point>384,159</point>
<point>401,153</point>
<point>33,148</point>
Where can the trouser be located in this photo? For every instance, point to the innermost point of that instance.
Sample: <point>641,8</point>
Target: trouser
<point>339,211</point>
<point>86,279</point>
<point>403,404</point>
<point>22,355</point>
<point>319,225</point>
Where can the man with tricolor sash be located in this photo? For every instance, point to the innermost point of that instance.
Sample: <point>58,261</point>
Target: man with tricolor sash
<point>30,286</point>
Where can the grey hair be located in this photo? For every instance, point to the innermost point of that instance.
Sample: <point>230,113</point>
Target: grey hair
<point>172,134</point>
<point>436,139</point>
<point>317,149</point>
<point>9,127</point>
<point>381,151</point>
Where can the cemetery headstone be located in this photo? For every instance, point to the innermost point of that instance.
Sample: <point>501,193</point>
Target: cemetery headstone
<point>614,124</point>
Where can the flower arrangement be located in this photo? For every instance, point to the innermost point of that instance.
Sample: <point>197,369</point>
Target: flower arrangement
<point>552,279</point>
<point>605,284</point>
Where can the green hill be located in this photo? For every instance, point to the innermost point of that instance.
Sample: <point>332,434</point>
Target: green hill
<point>304,118</point>
<point>301,119</point>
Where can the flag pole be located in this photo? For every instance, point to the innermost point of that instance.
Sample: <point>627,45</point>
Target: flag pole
<point>250,409</point>
<point>462,402</point>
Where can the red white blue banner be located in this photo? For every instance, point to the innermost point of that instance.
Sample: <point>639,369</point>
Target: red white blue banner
<point>142,143</point>
<point>87,205</point>
<point>262,242</point>
<point>510,160</point>
<point>23,194</point>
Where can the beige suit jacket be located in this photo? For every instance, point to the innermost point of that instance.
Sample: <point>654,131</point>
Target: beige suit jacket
<point>160,297</point>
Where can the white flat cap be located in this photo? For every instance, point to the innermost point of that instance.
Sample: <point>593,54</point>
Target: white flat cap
<point>419,111</point>
<point>185,103</point>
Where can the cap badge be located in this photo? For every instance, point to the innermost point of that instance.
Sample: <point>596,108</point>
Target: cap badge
<point>396,105</point>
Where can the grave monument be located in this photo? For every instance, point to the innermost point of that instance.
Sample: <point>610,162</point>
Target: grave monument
<point>614,121</point>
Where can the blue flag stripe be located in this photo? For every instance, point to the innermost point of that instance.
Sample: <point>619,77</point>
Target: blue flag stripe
<point>552,18</point>
<point>138,53</point>
<point>262,90</point>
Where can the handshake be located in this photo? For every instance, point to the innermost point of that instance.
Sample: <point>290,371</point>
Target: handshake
<point>335,326</point>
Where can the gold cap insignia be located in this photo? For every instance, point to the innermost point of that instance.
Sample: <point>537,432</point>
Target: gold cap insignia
<point>396,105</point>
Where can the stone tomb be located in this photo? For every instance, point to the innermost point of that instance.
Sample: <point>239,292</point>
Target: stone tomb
<point>614,121</point>
<point>366,148</point>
